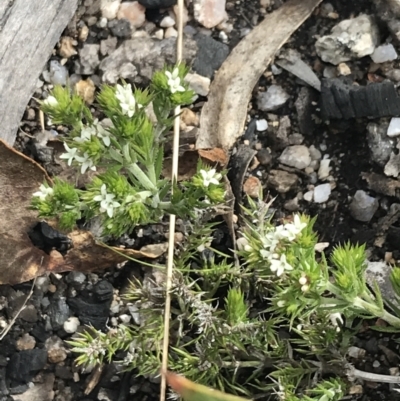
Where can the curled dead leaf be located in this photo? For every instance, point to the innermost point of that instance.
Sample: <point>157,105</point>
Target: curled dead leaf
<point>223,117</point>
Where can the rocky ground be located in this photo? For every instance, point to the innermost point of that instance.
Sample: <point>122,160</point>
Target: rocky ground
<point>325,153</point>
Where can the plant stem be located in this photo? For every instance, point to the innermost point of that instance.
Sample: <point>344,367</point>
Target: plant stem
<point>241,364</point>
<point>375,311</point>
<point>141,176</point>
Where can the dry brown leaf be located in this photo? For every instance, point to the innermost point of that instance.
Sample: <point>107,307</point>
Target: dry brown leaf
<point>216,155</point>
<point>223,117</point>
<point>20,260</point>
<point>20,177</point>
<point>88,255</point>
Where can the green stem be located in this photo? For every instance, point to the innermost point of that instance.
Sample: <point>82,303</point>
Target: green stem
<point>242,364</point>
<point>141,177</point>
<point>377,312</point>
<point>152,174</point>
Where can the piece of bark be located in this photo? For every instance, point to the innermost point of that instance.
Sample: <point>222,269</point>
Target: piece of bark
<point>340,99</point>
<point>223,116</point>
<point>29,31</point>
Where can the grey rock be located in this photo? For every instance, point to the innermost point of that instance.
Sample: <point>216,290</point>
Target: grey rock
<point>349,39</point>
<point>42,153</point>
<point>378,142</point>
<point>58,313</point>
<point>120,28</point>
<point>304,109</point>
<point>264,157</point>
<point>291,61</point>
<point>392,167</point>
<point>198,83</point>
<point>157,3</point>
<point>297,156</point>
<point>322,193</point>
<point>363,206</point>
<point>284,130</point>
<point>210,55</point>
<point>274,98</point>
<point>379,273</point>
<point>42,391</point>
<point>107,46</point>
<point>394,75</point>
<point>384,53</point>
<point>282,181</point>
<point>141,57</point>
<point>88,59</point>
<point>58,73</point>
<point>75,278</point>
<point>24,365</point>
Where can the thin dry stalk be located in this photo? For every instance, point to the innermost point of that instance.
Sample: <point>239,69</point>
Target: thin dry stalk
<point>172,219</point>
<point>11,324</point>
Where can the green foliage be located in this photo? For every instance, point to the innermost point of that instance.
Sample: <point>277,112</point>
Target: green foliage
<point>268,323</point>
<point>129,148</point>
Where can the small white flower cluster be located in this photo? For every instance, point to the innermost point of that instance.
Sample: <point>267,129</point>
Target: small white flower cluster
<point>126,99</point>
<point>85,160</point>
<point>96,129</point>
<point>174,82</point>
<point>283,232</point>
<point>210,177</point>
<point>43,192</point>
<point>107,204</point>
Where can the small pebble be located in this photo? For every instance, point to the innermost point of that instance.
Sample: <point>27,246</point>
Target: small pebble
<point>322,193</point>
<point>264,157</point>
<point>394,127</point>
<point>25,342</point>
<point>109,9</point>
<point>274,98</point>
<point>308,196</point>
<point>159,34</point>
<point>125,318</point>
<point>261,125</point>
<point>297,156</point>
<point>384,53</point>
<point>376,364</point>
<point>198,83</point>
<point>324,169</point>
<point>363,206</point>
<point>167,22</point>
<point>133,12</point>
<point>343,69</point>
<point>252,187</point>
<point>71,325</point>
<point>171,32</point>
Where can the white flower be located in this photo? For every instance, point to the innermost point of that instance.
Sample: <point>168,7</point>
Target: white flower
<point>210,177</point>
<point>296,227</point>
<point>280,265</point>
<point>106,201</point>
<point>86,162</point>
<point>270,241</point>
<point>280,304</point>
<point>336,318</point>
<point>70,155</point>
<point>174,82</point>
<point>50,101</point>
<point>43,192</point>
<point>126,99</point>
<point>86,134</point>
<point>303,280</point>
<point>103,135</point>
